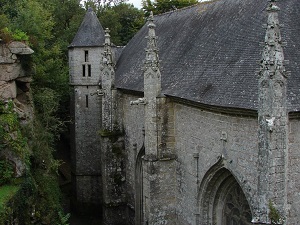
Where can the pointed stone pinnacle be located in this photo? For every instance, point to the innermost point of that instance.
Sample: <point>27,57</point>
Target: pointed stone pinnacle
<point>107,36</point>
<point>273,7</point>
<point>150,18</point>
<point>151,23</point>
<point>273,57</point>
<point>152,59</point>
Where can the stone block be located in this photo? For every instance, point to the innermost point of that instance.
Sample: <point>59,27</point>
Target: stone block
<point>19,48</point>
<point>5,55</point>
<point>8,90</point>
<point>10,71</point>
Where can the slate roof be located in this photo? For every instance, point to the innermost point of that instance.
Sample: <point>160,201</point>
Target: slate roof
<point>210,52</point>
<point>90,32</point>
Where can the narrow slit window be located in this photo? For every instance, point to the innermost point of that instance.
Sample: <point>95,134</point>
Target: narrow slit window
<point>86,56</point>
<point>89,70</point>
<point>83,70</point>
<point>86,101</point>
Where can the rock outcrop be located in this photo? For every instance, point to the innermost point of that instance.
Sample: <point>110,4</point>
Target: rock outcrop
<point>15,77</point>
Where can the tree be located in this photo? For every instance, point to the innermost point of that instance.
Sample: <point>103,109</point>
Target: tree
<point>161,6</point>
<point>100,3</point>
<point>124,20</point>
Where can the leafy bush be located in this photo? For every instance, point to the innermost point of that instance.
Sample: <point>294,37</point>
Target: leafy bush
<point>11,137</point>
<point>6,172</point>
<point>8,35</point>
<point>6,193</point>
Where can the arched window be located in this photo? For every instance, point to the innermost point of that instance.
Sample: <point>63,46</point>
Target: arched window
<point>222,200</point>
<point>236,210</point>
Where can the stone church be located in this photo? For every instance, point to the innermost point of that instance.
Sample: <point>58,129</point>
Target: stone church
<point>196,121</point>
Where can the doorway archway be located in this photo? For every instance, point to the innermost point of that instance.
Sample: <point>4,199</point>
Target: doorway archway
<point>221,199</point>
<point>139,211</point>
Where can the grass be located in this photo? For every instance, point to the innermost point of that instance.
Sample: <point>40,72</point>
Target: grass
<point>6,192</point>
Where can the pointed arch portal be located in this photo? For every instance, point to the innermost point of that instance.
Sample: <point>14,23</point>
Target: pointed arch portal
<point>221,199</point>
<point>139,215</point>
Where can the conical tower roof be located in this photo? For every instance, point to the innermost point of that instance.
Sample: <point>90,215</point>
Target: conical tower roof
<point>90,32</point>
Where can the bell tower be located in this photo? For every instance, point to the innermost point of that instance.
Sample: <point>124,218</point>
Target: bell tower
<point>84,60</point>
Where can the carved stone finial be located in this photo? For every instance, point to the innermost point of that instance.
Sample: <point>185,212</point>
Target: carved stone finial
<point>107,59</point>
<point>151,17</point>
<point>273,59</point>
<point>152,59</point>
<point>107,36</point>
<point>273,7</point>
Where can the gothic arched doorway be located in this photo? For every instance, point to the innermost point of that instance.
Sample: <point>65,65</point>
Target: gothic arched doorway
<point>222,200</point>
<point>139,214</point>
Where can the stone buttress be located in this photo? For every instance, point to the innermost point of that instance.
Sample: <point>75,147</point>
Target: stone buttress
<point>112,143</point>
<point>273,126</point>
<point>84,62</point>
<point>158,182</point>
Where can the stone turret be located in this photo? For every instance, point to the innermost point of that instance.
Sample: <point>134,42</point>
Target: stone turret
<point>84,60</point>
<point>152,89</point>
<point>273,123</point>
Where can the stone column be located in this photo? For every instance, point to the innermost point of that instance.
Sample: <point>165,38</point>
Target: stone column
<point>273,125</point>
<point>112,144</point>
<point>158,166</point>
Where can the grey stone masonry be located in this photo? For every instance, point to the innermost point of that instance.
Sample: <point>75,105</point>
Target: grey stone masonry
<point>207,141</point>
<point>152,90</point>
<point>107,83</point>
<point>112,143</point>
<point>159,166</point>
<point>273,120</point>
<point>84,63</point>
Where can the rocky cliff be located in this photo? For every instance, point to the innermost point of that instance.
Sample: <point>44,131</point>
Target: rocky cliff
<point>15,77</point>
<point>15,99</point>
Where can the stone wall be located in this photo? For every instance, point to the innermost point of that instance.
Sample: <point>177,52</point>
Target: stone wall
<point>208,135</point>
<point>85,56</point>
<point>133,122</point>
<point>86,112</point>
<point>293,181</point>
<point>201,136</point>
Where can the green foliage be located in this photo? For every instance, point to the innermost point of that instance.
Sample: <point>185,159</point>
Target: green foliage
<point>274,215</point>
<point>4,21</point>
<point>49,27</point>
<point>10,7</point>
<point>17,35</point>
<point>36,22</point>
<point>11,137</point>
<point>97,4</point>
<point>124,20</point>
<point>63,218</point>
<point>6,172</point>
<point>6,193</point>
<point>162,6</point>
